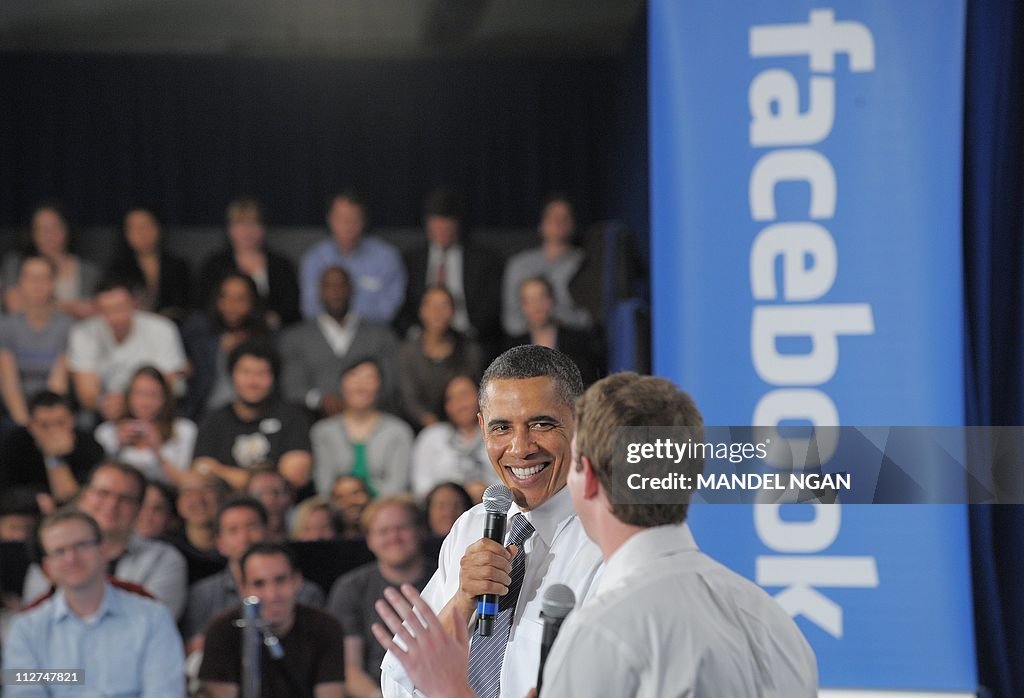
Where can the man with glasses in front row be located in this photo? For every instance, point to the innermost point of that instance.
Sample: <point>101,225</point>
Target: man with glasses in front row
<point>113,497</point>
<point>110,640</point>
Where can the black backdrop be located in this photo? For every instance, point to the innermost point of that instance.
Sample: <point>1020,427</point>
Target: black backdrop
<point>189,133</point>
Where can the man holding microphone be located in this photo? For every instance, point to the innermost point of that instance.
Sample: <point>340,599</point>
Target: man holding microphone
<point>664,618</point>
<point>527,398</point>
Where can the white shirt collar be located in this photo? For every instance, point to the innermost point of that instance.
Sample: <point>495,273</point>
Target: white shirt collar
<point>641,548</point>
<point>550,517</point>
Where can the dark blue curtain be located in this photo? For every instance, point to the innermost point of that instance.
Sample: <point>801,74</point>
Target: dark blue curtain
<point>993,261</point>
<point>188,133</point>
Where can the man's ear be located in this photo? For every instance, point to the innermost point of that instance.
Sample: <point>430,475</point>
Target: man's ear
<point>591,485</point>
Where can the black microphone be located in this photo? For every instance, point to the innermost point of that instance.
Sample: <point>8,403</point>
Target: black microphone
<point>497,500</point>
<point>558,601</point>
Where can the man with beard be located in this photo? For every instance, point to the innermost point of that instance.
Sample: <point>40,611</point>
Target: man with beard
<point>316,350</point>
<point>256,428</point>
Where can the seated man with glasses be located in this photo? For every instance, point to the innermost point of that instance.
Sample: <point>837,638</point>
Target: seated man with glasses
<point>109,640</point>
<point>113,496</point>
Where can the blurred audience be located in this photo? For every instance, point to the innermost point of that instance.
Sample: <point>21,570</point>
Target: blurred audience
<point>453,449</point>
<point>239,524</point>
<point>363,441</point>
<point>149,435</point>
<point>256,428</point>
<point>247,252</point>
<point>447,259</point>
<point>428,361</point>
<point>234,316</point>
<point>277,497</point>
<point>556,260</point>
<point>50,236</point>
<point>199,497</point>
<point>311,662</point>
<point>19,514</point>
<point>158,515</point>
<point>123,643</point>
<point>349,498</point>
<point>162,279</point>
<point>316,350</point>
<point>445,504</point>
<point>33,341</point>
<point>395,536</point>
<point>374,265</point>
<point>105,351</point>
<point>113,497</point>
<point>536,299</point>
<point>49,455</point>
<point>314,520</point>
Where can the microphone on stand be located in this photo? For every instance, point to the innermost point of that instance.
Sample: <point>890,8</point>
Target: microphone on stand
<point>558,602</point>
<point>497,500</point>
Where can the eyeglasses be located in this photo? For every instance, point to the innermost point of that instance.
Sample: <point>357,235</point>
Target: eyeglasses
<point>79,547</point>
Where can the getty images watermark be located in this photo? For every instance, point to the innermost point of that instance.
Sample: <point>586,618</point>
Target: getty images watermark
<point>897,465</point>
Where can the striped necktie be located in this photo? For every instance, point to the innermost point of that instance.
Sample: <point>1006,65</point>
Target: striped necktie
<point>487,653</point>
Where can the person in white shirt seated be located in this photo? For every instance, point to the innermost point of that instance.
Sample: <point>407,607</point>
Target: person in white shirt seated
<point>150,436</point>
<point>665,618</point>
<point>453,450</point>
<point>105,351</point>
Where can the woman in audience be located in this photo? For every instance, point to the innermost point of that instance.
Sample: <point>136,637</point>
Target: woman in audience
<point>274,274</point>
<point>161,277</point>
<point>235,315</point>
<point>445,504</point>
<point>363,441</point>
<point>158,515</point>
<point>33,341</point>
<point>536,298</point>
<point>452,450</point>
<point>314,520</point>
<point>428,361</point>
<point>50,237</point>
<point>557,260</point>
<point>150,437</point>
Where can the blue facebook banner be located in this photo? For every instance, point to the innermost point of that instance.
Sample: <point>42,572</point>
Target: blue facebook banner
<point>806,256</point>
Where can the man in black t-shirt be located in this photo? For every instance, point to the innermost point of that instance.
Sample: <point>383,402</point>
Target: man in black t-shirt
<point>49,455</point>
<point>313,661</point>
<point>256,428</point>
<point>394,535</point>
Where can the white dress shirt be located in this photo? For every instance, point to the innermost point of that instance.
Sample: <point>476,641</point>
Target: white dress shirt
<point>559,553</point>
<point>667,620</point>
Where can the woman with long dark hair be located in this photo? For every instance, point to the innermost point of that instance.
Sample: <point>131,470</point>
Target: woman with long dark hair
<point>161,278</point>
<point>234,316</point>
<point>427,362</point>
<point>150,436</point>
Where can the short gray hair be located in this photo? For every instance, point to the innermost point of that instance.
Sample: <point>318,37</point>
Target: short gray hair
<point>535,361</point>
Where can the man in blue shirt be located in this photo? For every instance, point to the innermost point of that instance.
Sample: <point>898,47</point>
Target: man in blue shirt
<point>376,269</point>
<point>117,641</point>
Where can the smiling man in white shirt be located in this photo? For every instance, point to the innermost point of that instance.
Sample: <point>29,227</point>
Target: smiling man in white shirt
<point>526,415</point>
<point>665,619</point>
